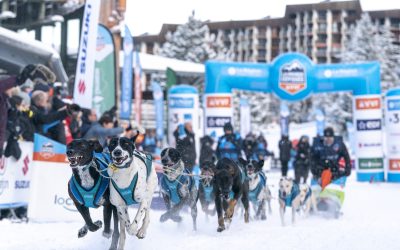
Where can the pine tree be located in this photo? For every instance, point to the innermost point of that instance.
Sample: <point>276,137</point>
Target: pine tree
<point>192,42</point>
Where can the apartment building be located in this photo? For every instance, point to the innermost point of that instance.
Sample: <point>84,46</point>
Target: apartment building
<point>317,30</point>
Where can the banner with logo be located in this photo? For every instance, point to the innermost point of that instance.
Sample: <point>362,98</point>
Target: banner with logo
<point>49,200</point>
<point>320,121</point>
<point>368,137</point>
<point>218,112</point>
<point>126,87</point>
<point>284,119</point>
<point>392,121</point>
<point>83,87</point>
<point>183,106</point>
<point>158,96</point>
<point>138,88</point>
<point>245,118</point>
<point>15,178</point>
<point>104,71</point>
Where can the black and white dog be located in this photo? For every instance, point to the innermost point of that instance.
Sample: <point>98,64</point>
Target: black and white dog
<point>259,193</point>
<point>133,181</point>
<point>177,187</point>
<point>206,187</point>
<point>229,178</point>
<point>89,187</point>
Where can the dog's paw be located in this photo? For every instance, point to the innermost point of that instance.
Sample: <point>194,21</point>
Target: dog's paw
<point>141,233</point>
<point>176,218</point>
<point>132,229</point>
<point>164,217</point>
<point>82,232</point>
<point>107,234</point>
<point>95,226</point>
<point>220,229</point>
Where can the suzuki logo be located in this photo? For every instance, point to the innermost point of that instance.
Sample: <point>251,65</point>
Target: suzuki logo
<point>26,165</point>
<point>368,103</point>
<point>82,87</point>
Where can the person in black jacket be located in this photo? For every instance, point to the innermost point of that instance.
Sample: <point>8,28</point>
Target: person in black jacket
<point>207,153</point>
<point>327,153</point>
<point>185,144</point>
<point>285,146</point>
<point>302,160</point>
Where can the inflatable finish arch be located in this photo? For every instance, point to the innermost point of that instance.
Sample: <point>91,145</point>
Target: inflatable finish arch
<point>293,77</point>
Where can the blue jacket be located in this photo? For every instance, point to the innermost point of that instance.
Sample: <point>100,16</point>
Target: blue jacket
<point>229,146</point>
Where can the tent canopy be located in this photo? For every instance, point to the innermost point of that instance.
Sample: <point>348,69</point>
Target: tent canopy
<point>153,63</point>
<point>18,51</point>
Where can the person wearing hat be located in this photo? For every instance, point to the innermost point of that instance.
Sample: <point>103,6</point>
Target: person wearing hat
<point>285,147</point>
<point>329,155</point>
<point>230,144</point>
<point>185,144</point>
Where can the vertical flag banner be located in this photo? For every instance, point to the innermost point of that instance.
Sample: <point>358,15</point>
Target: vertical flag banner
<point>284,119</point>
<point>83,87</point>
<point>320,120</point>
<point>104,71</point>
<point>158,97</point>
<point>138,89</point>
<point>245,119</point>
<point>392,116</point>
<point>126,89</point>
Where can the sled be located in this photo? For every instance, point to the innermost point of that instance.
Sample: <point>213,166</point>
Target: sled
<point>331,198</point>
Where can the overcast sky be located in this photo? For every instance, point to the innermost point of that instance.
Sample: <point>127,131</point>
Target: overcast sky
<point>148,15</point>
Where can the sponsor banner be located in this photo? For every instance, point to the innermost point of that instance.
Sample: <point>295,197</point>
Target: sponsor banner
<point>219,101</point>
<point>45,149</point>
<point>15,178</point>
<point>181,102</point>
<point>368,103</point>
<point>369,124</point>
<point>158,96</point>
<point>126,88</point>
<point>394,164</point>
<point>393,105</point>
<point>83,87</point>
<point>370,163</point>
<point>104,71</point>
<point>245,119</point>
<point>292,77</point>
<point>138,88</point>
<point>217,121</point>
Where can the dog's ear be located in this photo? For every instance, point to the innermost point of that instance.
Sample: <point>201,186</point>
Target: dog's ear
<point>242,161</point>
<point>96,146</point>
<point>135,137</point>
<point>175,155</point>
<point>260,165</point>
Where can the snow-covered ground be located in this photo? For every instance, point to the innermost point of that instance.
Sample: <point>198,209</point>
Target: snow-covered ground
<point>371,220</point>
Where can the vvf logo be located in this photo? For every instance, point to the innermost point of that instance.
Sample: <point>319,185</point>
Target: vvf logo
<point>365,125</point>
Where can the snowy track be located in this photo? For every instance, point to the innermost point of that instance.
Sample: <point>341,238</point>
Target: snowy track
<point>371,220</point>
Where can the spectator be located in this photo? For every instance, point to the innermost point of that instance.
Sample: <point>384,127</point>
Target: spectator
<point>43,119</point>
<point>89,117</point>
<point>230,144</point>
<point>150,141</point>
<point>249,145</point>
<point>207,152</point>
<point>75,125</point>
<point>104,129</point>
<point>185,144</point>
<point>285,146</point>
<point>260,149</point>
<point>302,160</point>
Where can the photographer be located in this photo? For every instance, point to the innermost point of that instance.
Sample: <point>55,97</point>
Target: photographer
<point>43,119</point>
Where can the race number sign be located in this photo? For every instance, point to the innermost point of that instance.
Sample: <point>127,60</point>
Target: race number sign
<point>392,121</point>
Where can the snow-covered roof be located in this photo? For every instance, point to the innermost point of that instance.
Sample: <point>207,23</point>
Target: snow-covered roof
<point>18,51</point>
<point>152,63</point>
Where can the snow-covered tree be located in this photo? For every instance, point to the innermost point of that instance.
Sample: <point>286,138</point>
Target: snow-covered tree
<point>192,42</point>
<point>371,42</point>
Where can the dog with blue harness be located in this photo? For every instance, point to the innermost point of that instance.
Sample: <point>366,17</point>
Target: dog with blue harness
<point>177,187</point>
<point>259,193</point>
<point>133,181</point>
<point>89,186</point>
<point>289,196</point>
<point>307,199</point>
<point>206,187</point>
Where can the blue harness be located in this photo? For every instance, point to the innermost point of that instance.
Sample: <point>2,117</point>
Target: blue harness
<point>289,198</point>
<point>253,194</point>
<point>92,197</point>
<point>172,187</point>
<point>208,193</point>
<point>128,194</point>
